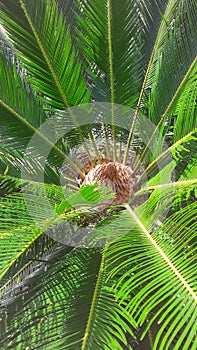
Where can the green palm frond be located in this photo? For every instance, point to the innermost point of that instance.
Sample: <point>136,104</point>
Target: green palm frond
<point>18,229</point>
<point>46,51</point>
<point>181,113</point>
<point>23,219</point>
<point>164,198</point>
<point>68,301</point>
<point>21,115</point>
<point>167,78</point>
<point>172,58</point>
<point>20,111</point>
<point>173,151</point>
<point>185,109</point>
<point>14,91</point>
<point>160,276</point>
<point>120,62</point>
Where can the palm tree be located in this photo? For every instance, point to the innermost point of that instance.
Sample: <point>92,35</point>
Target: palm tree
<point>101,95</point>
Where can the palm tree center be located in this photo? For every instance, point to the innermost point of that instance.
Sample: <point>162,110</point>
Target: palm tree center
<point>115,176</point>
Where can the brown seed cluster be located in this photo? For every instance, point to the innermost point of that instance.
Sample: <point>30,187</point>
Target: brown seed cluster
<point>112,175</point>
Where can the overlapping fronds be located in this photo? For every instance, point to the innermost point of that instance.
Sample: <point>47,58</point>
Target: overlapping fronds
<point>117,272</point>
<point>172,152</point>
<point>115,53</point>
<point>159,271</point>
<point>70,298</point>
<point>18,229</point>
<point>185,108</point>
<point>21,115</point>
<point>38,33</point>
<point>16,114</point>
<point>24,218</point>
<point>172,58</point>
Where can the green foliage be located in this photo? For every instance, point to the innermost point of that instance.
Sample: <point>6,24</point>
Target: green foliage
<point>117,273</point>
<point>47,52</point>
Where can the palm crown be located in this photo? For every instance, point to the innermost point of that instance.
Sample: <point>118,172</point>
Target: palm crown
<point>102,94</point>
